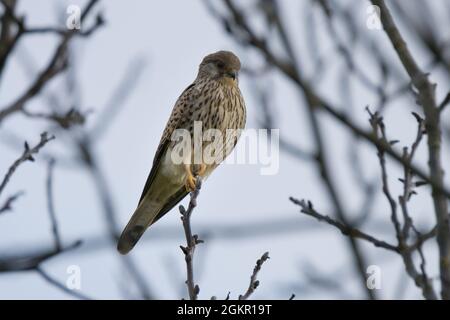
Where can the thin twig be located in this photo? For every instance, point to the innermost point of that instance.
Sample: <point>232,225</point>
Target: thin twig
<point>402,233</point>
<point>51,206</point>
<point>308,209</point>
<point>444,102</point>
<point>27,155</point>
<point>99,21</point>
<point>29,261</point>
<point>376,121</point>
<point>118,98</point>
<point>191,241</point>
<point>7,206</point>
<point>65,120</point>
<point>47,277</point>
<point>426,98</point>
<point>254,282</point>
<point>422,280</point>
<point>56,65</point>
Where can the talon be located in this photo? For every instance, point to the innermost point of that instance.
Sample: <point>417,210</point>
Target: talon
<point>190,183</point>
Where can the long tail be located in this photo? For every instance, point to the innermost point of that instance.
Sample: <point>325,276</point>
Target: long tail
<point>139,222</point>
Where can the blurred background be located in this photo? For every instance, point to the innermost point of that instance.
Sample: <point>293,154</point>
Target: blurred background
<point>106,93</point>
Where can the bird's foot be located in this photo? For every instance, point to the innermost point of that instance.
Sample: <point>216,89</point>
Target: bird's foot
<point>190,183</point>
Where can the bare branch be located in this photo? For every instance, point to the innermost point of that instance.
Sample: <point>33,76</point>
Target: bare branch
<point>51,206</point>
<point>191,241</point>
<point>30,261</point>
<point>8,36</point>
<point>444,102</point>
<point>307,208</point>
<point>314,99</point>
<point>89,160</point>
<point>422,280</point>
<point>402,234</point>
<point>56,65</point>
<point>379,129</point>
<point>254,282</point>
<point>426,98</point>
<point>99,21</point>
<point>119,96</point>
<point>59,285</point>
<point>65,120</point>
<point>7,206</point>
<point>27,155</point>
<point>290,67</point>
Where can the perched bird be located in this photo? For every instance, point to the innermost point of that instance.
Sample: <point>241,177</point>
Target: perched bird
<point>214,99</point>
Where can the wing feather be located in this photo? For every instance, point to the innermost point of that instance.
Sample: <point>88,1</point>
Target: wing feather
<point>175,121</point>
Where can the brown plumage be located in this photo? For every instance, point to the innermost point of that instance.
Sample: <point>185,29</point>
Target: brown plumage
<point>214,99</point>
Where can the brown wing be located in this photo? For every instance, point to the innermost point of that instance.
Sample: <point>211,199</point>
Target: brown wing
<point>175,121</point>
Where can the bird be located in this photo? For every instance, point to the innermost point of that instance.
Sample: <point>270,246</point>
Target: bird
<point>214,101</point>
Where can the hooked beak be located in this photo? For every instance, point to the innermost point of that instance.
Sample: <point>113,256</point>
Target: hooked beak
<point>231,74</point>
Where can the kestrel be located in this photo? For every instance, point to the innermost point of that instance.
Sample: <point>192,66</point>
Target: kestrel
<point>213,100</point>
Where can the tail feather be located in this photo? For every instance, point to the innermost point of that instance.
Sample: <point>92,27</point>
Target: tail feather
<point>139,222</point>
<point>162,192</point>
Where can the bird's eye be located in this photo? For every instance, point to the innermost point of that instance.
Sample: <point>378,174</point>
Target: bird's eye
<point>220,64</point>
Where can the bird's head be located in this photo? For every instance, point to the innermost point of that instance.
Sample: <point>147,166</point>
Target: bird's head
<point>222,65</point>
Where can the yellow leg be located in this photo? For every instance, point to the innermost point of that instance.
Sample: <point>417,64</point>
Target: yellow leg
<point>190,179</point>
